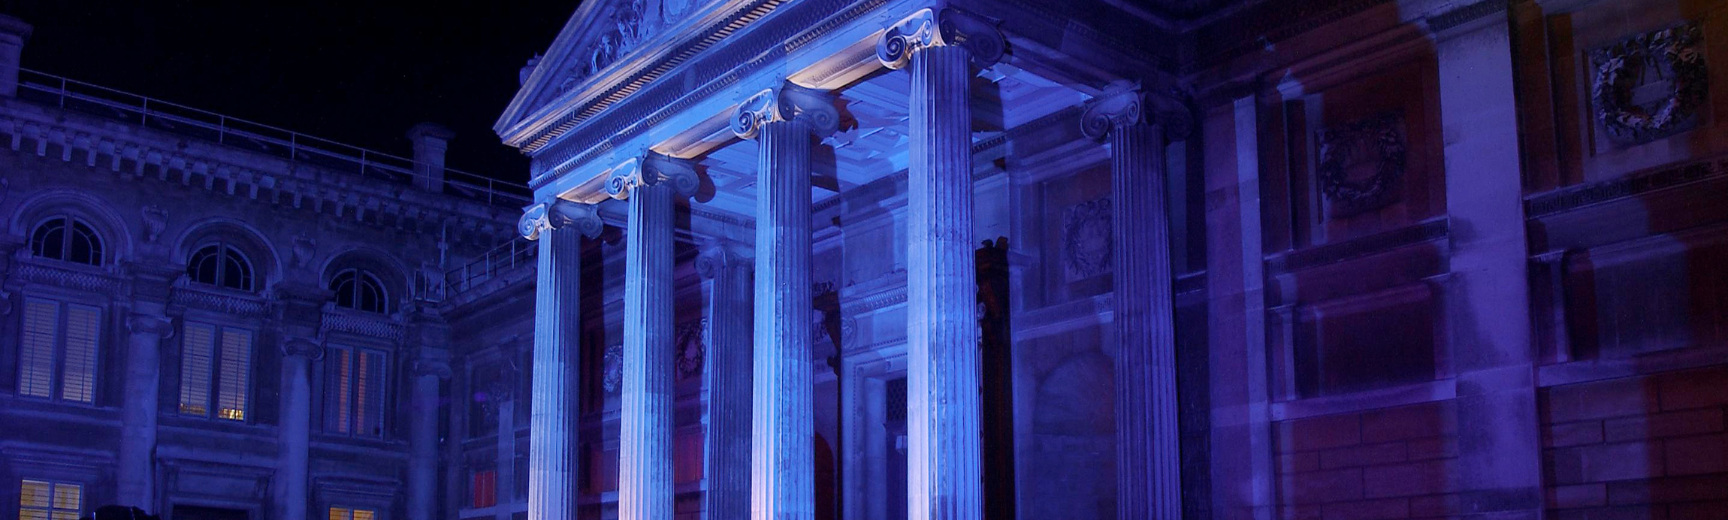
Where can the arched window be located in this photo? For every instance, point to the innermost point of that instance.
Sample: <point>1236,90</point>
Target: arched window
<point>67,238</point>
<point>220,265</point>
<point>359,290</point>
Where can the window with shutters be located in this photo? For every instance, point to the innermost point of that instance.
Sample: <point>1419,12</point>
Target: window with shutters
<point>215,371</point>
<point>354,390</point>
<point>58,349</point>
<point>485,489</point>
<point>66,238</point>
<point>48,500</point>
<point>349,513</point>
<point>220,265</point>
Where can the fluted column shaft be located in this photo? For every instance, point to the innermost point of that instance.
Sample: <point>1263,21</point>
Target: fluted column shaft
<point>942,340</point>
<point>728,379</point>
<point>782,456</point>
<point>552,431</point>
<point>1148,448</point>
<point>146,327</point>
<point>294,435</point>
<point>645,454</point>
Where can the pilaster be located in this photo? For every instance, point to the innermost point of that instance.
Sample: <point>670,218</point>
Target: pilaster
<point>785,123</point>
<point>299,311</point>
<point>146,327</point>
<point>431,337</point>
<point>552,429</point>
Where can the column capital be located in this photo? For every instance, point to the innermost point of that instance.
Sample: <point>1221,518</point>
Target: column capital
<point>558,213</point>
<point>1126,103</point>
<point>980,36</point>
<point>150,281</point>
<point>787,102</point>
<point>304,347</point>
<point>144,323</point>
<point>719,254</point>
<point>650,169</point>
<point>431,367</point>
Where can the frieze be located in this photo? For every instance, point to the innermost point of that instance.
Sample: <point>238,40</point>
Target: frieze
<point>1362,164</point>
<point>218,302</point>
<point>1086,239</point>
<point>1569,199</point>
<point>32,272</point>
<point>661,100</point>
<point>1670,61</point>
<point>363,325</point>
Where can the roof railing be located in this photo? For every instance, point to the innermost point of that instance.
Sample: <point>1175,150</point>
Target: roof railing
<point>517,252</point>
<point>48,89</point>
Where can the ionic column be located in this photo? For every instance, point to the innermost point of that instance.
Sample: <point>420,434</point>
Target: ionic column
<point>1148,443</point>
<point>942,339</point>
<point>727,377</point>
<point>146,329</point>
<point>785,122</point>
<point>645,429</point>
<point>552,429</point>
<point>294,435</point>
<point>423,437</point>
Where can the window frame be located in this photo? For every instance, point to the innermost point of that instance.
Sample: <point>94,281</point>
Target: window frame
<point>213,396</point>
<point>71,222</point>
<point>223,249</point>
<point>53,484</point>
<point>330,512</point>
<point>58,348</point>
<point>336,350</point>
<point>360,276</point>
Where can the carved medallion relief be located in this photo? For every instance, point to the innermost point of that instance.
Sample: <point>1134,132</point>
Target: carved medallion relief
<point>1086,242</point>
<point>1362,163</point>
<point>1649,86</point>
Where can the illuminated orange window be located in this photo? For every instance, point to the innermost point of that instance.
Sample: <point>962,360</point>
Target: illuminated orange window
<point>45,500</point>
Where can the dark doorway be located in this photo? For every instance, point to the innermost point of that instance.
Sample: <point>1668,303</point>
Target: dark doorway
<point>208,513</point>
<point>895,408</point>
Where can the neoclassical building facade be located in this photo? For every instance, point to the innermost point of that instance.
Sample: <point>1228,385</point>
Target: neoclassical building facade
<point>905,259</point>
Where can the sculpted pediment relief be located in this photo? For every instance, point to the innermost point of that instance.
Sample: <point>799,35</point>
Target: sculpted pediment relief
<point>599,35</point>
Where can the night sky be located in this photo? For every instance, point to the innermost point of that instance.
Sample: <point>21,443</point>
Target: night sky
<point>355,72</point>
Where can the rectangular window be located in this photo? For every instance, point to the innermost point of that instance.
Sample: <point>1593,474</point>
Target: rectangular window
<point>208,368</point>
<point>45,500</point>
<point>36,355</point>
<point>58,347</point>
<point>236,380</point>
<point>345,513</point>
<point>354,390</point>
<point>197,351</point>
<point>485,488</point>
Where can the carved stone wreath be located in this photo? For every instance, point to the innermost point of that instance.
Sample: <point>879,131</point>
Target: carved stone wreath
<point>1086,239</point>
<point>1676,53</point>
<point>612,377</point>
<point>691,349</point>
<point>1344,146</point>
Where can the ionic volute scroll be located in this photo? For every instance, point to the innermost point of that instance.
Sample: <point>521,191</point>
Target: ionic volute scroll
<point>306,347</point>
<point>652,169</point>
<point>787,102</point>
<point>558,214</point>
<point>139,323</point>
<point>980,36</point>
<point>719,255</point>
<point>1127,103</point>
<point>432,367</point>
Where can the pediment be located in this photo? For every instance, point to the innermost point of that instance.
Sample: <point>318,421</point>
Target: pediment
<point>600,36</point>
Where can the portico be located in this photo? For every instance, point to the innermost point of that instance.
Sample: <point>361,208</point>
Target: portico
<point>763,122</point>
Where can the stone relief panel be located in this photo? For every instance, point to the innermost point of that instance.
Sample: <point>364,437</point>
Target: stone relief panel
<point>1086,241</point>
<point>1649,86</point>
<point>1362,164</point>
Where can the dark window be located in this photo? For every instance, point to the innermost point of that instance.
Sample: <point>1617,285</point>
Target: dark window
<point>359,290</point>
<point>220,265</point>
<point>67,238</point>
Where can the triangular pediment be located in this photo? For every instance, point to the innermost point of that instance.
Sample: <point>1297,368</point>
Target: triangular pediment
<point>601,36</point>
